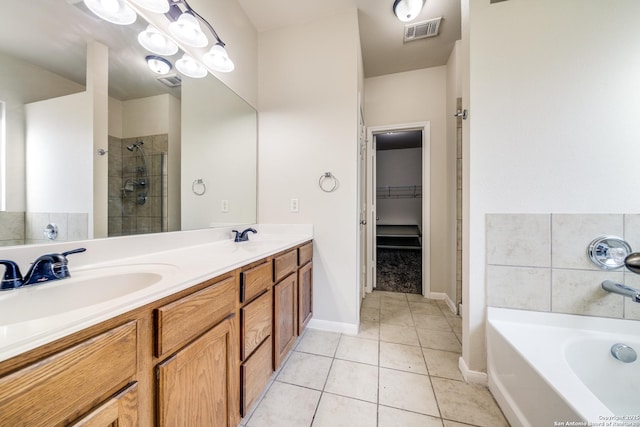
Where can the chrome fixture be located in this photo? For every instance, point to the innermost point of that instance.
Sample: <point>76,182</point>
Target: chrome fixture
<point>51,231</point>
<point>101,151</point>
<point>243,236</point>
<point>462,114</point>
<point>45,268</point>
<point>608,252</point>
<point>621,289</point>
<point>141,182</point>
<point>407,10</point>
<point>623,353</point>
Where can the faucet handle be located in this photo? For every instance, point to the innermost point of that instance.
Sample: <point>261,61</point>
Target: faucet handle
<point>12,278</point>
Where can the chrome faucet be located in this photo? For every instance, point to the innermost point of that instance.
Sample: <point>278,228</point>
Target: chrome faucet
<point>243,236</point>
<point>624,290</point>
<point>44,268</point>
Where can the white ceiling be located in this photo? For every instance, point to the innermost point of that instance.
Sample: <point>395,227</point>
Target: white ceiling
<point>381,33</point>
<point>53,35</point>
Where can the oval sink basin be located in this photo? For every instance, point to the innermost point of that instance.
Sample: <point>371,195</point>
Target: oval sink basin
<point>84,289</point>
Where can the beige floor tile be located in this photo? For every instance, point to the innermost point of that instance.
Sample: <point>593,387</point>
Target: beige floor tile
<point>392,295</point>
<point>340,411</point>
<point>402,357</point>
<point>406,390</point>
<point>417,298</point>
<point>456,323</point>
<point>371,302</point>
<point>392,417</point>
<point>436,323</point>
<point>429,309</point>
<point>467,403</point>
<point>319,342</point>
<point>358,350</point>
<point>307,370</point>
<point>398,334</point>
<point>369,314</point>
<point>458,335</point>
<point>276,408</point>
<point>448,423</point>
<point>443,363</point>
<point>352,379</point>
<point>369,330</point>
<point>400,318</point>
<point>439,340</point>
<point>386,301</point>
<point>446,310</point>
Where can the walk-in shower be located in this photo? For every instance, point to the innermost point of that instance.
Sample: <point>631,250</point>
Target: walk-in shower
<point>138,185</point>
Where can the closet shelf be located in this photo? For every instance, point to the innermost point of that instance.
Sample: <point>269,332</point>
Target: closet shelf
<point>399,192</point>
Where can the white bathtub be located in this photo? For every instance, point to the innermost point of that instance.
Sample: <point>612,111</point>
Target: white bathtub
<point>546,369</point>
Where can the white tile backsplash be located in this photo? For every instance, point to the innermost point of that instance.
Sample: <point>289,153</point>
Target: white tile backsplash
<point>520,276</point>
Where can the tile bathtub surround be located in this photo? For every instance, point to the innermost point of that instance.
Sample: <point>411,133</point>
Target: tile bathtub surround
<point>539,262</point>
<point>401,370</point>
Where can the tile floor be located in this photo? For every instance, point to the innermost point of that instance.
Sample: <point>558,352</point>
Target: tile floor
<point>401,370</point>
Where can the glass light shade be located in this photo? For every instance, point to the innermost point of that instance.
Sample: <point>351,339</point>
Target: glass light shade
<point>158,64</point>
<point>155,6</point>
<point>187,30</point>
<point>156,42</point>
<point>190,67</point>
<point>218,59</point>
<point>114,11</point>
<point>407,10</point>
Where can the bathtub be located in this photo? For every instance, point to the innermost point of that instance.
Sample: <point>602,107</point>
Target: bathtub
<point>548,369</point>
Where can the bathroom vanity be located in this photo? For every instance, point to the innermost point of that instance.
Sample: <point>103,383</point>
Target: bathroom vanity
<point>200,355</point>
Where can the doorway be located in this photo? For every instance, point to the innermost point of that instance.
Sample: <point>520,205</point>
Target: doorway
<point>397,182</point>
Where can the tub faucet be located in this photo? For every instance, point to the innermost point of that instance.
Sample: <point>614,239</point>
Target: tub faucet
<point>243,236</point>
<point>624,290</point>
<point>44,268</point>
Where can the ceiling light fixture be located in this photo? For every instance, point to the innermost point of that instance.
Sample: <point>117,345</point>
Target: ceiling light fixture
<point>190,67</point>
<point>407,10</point>
<point>187,30</point>
<point>156,42</point>
<point>158,64</point>
<point>114,11</point>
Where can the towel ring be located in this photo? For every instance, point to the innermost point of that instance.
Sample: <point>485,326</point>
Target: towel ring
<point>327,182</point>
<point>198,187</point>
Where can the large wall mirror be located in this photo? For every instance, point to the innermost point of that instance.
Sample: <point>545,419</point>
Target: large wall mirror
<point>154,155</point>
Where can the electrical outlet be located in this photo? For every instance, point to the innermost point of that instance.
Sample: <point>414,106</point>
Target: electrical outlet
<point>295,207</point>
<point>225,205</point>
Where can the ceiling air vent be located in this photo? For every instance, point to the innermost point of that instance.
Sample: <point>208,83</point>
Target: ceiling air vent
<point>421,30</point>
<point>172,80</point>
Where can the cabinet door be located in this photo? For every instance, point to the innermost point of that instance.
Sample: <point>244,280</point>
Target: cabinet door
<point>284,318</point>
<point>119,411</point>
<point>305,296</point>
<point>197,386</point>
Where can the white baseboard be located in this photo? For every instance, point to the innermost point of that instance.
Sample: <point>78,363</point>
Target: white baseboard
<point>445,297</point>
<point>329,326</point>
<point>474,377</point>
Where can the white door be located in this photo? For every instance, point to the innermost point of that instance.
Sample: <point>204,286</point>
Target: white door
<point>372,218</point>
<point>362,194</point>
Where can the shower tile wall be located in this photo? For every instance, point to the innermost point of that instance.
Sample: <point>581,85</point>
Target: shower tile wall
<point>11,228</point>
<point>71,226</point>
<point>539,262</point>
<point>126,216</point>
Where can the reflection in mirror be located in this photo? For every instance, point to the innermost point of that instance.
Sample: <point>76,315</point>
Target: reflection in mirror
<point>54,121</point>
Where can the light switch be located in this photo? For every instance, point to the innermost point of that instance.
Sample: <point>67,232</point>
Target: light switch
<point>225,205</point>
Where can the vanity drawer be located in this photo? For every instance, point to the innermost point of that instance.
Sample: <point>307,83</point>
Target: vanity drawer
<point>254,375</point>
<point>179,322</point>
<point>68,384</point>
<point>256,323</point>
<point>305,253</point>
<point>255,281</point>
<point>285,264</point>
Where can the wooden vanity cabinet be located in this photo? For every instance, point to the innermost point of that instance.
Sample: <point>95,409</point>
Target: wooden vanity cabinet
<point>119,411</point>
<point>197,384</point>
<point>284,318</point>
<point>68,385</point>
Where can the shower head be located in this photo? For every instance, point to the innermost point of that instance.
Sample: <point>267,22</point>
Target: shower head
<point>134,146</point>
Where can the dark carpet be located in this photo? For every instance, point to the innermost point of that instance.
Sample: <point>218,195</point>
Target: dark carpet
<point>399,270</point>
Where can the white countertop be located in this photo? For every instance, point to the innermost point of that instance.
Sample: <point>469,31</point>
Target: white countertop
<point>36,315</point>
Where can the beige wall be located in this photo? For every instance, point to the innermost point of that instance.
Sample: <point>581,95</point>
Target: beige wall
<point>308,80</point>
<point>418,96</point>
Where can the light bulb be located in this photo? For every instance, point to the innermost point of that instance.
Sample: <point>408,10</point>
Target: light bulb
<point>407,10</point>
<point>218,59</point>
<point>110,6</point>
<point>187,30</point>
<point>158,64</point>
<point>156,42</point>
<point>114,11</point>
<point>190,67</point>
